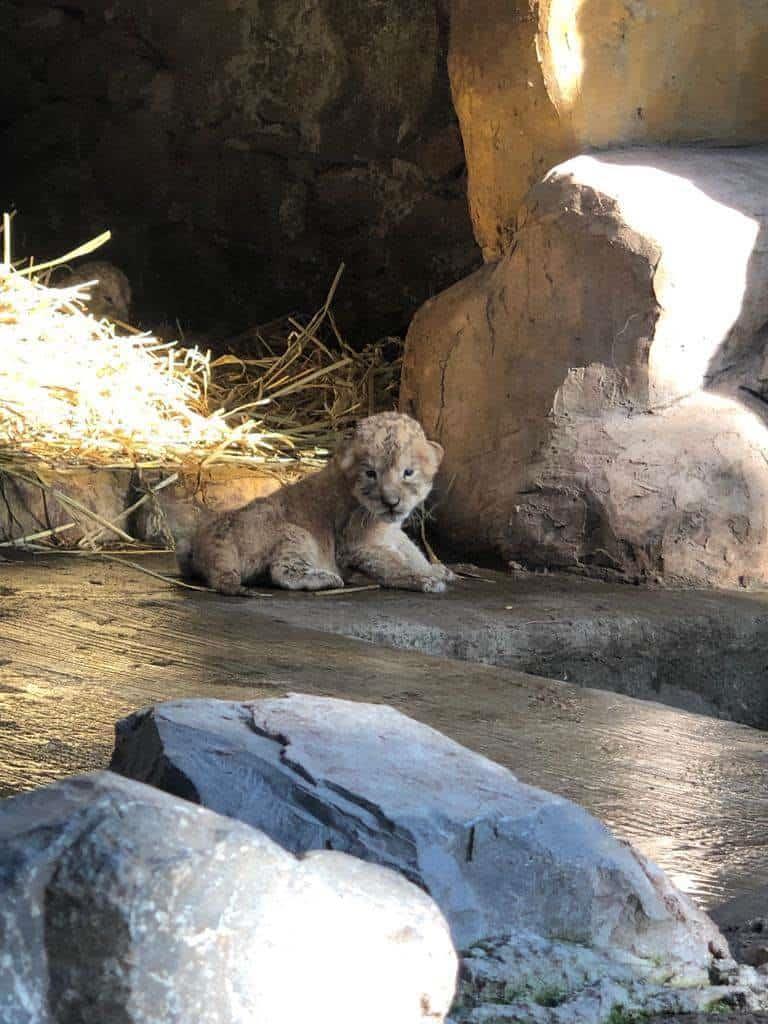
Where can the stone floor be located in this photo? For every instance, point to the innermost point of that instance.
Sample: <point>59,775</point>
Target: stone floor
<point>702,651</point>
<point>83,643</point>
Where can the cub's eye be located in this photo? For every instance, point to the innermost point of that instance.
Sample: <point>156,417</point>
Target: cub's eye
<point>371,474</point>
<point>407,472</point>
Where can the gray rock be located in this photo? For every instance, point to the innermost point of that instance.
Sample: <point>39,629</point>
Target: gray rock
<point>498,856</point>
<point>529,978</point>
<point>122,905</point>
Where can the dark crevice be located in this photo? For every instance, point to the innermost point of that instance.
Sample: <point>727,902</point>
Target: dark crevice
<point>755,394</point>
<point>71,11</point>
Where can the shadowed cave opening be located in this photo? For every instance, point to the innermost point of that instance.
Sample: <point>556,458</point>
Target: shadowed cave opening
<point>237,175</point>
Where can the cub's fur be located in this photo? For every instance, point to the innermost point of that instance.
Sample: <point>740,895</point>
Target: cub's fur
<point>110,296</point>
<point>346,517</point>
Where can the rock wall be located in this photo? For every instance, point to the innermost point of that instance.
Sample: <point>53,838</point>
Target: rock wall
<point>600,391</point>
<point>239,150</point>
<point>26,510</point>
<point>537,81</point>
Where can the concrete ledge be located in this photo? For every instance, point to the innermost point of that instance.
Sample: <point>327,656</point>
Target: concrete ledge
<point>699,650</point>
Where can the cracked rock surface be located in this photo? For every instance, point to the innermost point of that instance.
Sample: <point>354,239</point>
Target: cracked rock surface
<point>545,982</point>
<point>600,388</point>
<point>535,890</point>
<point>120,904</point>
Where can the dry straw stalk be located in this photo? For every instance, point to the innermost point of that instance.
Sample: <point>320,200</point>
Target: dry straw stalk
<point>76,391</point>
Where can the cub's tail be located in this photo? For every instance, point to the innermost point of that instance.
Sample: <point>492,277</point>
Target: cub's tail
<point>184,532</point>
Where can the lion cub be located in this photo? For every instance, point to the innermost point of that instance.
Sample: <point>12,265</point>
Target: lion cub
<point>348,516</point>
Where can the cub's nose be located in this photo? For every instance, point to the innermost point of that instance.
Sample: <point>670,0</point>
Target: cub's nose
<point>390,503</point>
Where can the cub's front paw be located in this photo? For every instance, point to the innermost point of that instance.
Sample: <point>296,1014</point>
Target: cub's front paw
<point>442,572</point>
<point>431,585</point>
<point>229,583</point>
<point>330,580</point>
<point>319,579</point>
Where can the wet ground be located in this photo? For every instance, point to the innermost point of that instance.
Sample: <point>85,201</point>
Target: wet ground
<point>82,643</point>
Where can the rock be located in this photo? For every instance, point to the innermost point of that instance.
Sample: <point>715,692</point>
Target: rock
<point>579,928</point>
<point>528,978</point>
<point>302,134</point>
<point>725,1015</point>
<point>613,365</point>
<point>174,510</point>
<point>537,82</point>
<point>120,903</point>
<point>496,855</point>
<point>25,509</point>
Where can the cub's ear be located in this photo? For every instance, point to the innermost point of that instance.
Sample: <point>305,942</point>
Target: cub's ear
<point>345,458</point>
<point>437,451</point>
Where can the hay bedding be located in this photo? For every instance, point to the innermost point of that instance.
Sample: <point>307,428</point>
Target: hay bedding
<point>80,392</point>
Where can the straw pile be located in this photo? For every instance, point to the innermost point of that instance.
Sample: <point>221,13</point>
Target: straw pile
<point>76,391</point>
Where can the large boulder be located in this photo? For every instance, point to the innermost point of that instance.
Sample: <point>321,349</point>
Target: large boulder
<point>497,856</point>
<point>537,81</point>
<point>121,904</point>
<point>557,921</point>
<point>600,389</point>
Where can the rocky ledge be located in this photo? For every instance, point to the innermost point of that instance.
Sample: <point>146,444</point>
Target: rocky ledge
<point>555,918</point>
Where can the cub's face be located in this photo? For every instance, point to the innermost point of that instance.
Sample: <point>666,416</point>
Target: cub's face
<point>390,465</point>
<point>110,296</point>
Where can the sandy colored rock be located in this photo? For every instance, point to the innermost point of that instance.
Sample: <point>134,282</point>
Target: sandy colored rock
<point>599,390</point>
<point>25,509</point>
<point>536,81</point>
<point>175,509</point>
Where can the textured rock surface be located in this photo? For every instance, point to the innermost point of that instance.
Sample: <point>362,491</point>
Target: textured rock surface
<point>537,81</point>
<point>495,854</point>
<point>528,978</point>
<point>175,509</point>
<point>239,151</point>
<point>579,928</point>
<point>119,903</point>
<point>25,509</point>
<point>599,390</point>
